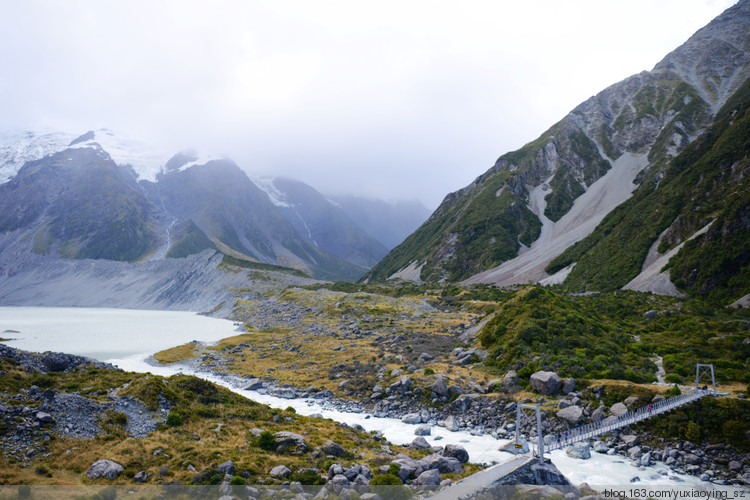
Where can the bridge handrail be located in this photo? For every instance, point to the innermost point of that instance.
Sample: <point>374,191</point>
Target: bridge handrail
<point>597,428</point>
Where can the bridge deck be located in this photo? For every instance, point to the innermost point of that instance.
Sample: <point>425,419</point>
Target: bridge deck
<point>609,424</point>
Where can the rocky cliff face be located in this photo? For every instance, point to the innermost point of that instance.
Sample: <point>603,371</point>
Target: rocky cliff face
<point>610,144</point>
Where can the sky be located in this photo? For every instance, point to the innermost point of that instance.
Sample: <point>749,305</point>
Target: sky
<point>388,99</point>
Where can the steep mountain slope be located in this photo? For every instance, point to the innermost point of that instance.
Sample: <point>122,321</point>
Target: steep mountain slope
<point>218,202</point>
<point>699,212</point>
<point>325,224</point>
<point>389,223</point>
<point>534,203</point>
<point>79,204</point>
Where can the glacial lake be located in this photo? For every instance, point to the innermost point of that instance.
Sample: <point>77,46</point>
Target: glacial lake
<point>127,338</point>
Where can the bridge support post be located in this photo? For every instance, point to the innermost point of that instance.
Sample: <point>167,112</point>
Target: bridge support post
<point>702,370</point>
<point>524,412</point>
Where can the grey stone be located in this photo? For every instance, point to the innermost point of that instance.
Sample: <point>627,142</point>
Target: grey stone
<point>142,476</point>
<point>581,451</point>
<point>510,379</point>
<point>456,451</point>
<point>291,442</point>
<point>451,423</point>
<point>618,409</point>
<point>226,468</point>
<point>254,384</point>
<point>412,418</point>
<point>104,468</point>
<point>420,443</point>
<point>601,447</point>
<point>571,415</point>
<point>546,383</point>
<point>568,385</point>
<point>423,430</point>
<point>429,477</point>
<point>339,480</point>
<point>331,448</point>
<point>280,471</point>
<point>439,387</point>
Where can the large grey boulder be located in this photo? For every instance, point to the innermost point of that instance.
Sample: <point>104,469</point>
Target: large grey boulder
<point>572,415</point>
<point>429,477</point>
<point>331,448</point>
<point>546,383</point>
<point>411,418</point>
<point>420,443</point>
<point>618,410</point>
<point>462,403</point>
<point>104,468</point>
<point>456,451</point>
<point>280,471</point>
<point>290,442</point>
<point>581,451</point>
<point>226,468</point>
<point>439,387</point>
<point>451,423</point>
<point>446,465</point>
<point>568,385</point>
<point>423,430</point>
<point>510,379</point>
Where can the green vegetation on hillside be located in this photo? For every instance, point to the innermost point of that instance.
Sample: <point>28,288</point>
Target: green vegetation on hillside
<point>707,182</point>
<point>610,336</point>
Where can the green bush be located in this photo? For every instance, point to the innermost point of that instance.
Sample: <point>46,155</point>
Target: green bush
<point>385,480</point>
<point>673,391</point>
<point>174,419</point>
<point>237,481</point>
<point>309,477</point>
<point>429,371</point>
<point>266,441</point>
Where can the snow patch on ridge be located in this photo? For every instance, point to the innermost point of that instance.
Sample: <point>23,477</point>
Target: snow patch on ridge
<point>146,160</point>
<point>266,185</point>
<point>19,146</point>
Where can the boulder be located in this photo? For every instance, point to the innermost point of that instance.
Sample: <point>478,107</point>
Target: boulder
<point>456,451</point>
<point>331,448</point>
<point>631,400</point>
<point>445,465</point>
<point>451,423</point>
<point>546,383</point>
<point>43,417</point>
<point>291,442</point>
<point>226,468</point>
<point>254,384</point>
<point>601,447</point>
<point>581,451</point>
<point>462,403</point>
<point>429,477</point>
<point>420,443</point>
<point>598,414</point>
<point>104,468</point>
<point>280,472</point>
<point>618,409</point>
<point>568,385</point>
<point>571,415</point>
<point>510,379</point>
<point>439,387</point>
<point>423,430</point>
<point>412,418</point>
<point>142,476</point>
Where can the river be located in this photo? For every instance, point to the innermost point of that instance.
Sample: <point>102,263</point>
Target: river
<point>127,339</point>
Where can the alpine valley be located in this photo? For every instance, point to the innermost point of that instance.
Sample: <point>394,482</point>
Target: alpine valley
<point>588,276</point>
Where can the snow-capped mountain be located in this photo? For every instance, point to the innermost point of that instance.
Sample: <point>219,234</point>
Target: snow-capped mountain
<point>104,196</point>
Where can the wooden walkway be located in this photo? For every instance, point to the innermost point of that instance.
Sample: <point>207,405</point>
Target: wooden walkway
<point>609,424</point>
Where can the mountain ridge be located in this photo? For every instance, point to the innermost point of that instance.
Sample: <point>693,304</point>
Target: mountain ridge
<point>484,231</point>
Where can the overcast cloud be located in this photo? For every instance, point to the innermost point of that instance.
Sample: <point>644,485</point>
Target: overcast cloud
<point>393,99</point>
